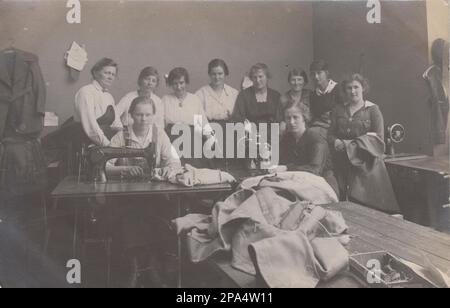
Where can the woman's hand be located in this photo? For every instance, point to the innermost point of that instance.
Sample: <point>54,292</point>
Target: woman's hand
<point>339,145</point>
<point>277,169</point>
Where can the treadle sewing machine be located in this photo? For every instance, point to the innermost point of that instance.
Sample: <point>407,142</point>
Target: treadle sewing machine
<point>97,157</point>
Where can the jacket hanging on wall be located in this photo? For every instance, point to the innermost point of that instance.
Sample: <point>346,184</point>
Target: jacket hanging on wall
<point>22,108</point>
<point>438,103</point>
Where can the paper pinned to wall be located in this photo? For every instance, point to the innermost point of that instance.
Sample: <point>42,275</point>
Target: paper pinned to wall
<point>51,119</point>
<point>76,57</point>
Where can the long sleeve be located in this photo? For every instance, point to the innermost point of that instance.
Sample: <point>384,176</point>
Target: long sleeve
<point>239,114</point>
<point>85,105</point>
<point>169,156</point>
<point>40,91</point>
<point>317,155</point>
<point>332,131</point>
<point>377,121</point>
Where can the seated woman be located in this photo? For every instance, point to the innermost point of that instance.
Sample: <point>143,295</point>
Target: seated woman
<point>182,107</point>
<point>325,96</point>
<point>95,107</point>
<point>258,103</point>
<point>139,234</point>
<point>297,93</point>
<point>302,149</point>
<point>148,81</point>
<point>217,98</point>
<point>356,137</point>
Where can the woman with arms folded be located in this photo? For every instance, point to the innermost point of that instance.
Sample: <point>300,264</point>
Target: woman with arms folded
<point>95,107</point>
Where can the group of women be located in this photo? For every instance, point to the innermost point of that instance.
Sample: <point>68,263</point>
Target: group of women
<point>316,125</point>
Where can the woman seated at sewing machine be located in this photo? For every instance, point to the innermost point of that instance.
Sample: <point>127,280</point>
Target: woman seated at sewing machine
<point>142,230</point>
<point>302,149</point>
<point>139,136</point>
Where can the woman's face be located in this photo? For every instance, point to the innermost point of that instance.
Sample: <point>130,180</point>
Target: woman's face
<point>106,76</point>
<point>149,84</point>
<point>217,76</point>
<point>354,91</point>
<point>179,87</point>
<point>295,123</point>
<point>259,79</point>
<point>142,116</point>
<point>297,83</point>
<point>320,78</point>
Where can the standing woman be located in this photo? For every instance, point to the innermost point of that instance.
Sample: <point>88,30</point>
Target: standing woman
<point>95,107</point>
<point>325,96</point>
<point>356,136</point>
<point>217,98</point>
<point>148,81</point>
<point>259,103</point>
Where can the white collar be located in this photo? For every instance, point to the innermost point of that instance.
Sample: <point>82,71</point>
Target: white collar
<point>97,86</point>
<point>329,88</point>
<point>148,138</point>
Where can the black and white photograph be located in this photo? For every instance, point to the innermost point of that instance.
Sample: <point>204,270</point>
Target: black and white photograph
<point>224,145</point>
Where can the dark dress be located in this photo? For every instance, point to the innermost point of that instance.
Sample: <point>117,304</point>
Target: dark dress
<point>310,154</point>
<point>367,119</point>
<point>247,107</point>
<point>321,107</point>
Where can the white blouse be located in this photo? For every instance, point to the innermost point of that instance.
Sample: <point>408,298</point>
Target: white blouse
<point>166,155</point>
<point>124,106</point>
<point>91,102</point>
<point>184,111</point>
<point>217,106</point>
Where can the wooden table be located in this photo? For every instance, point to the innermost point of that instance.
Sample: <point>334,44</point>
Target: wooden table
<point>422,189</point>
<point>70,187</point>
<point>372,231</point>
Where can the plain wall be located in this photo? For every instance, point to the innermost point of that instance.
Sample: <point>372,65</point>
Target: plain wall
<point>162,34</point>
<point>395,55</point>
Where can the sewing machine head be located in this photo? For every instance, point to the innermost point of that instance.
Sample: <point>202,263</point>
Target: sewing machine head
<point>99,156</point>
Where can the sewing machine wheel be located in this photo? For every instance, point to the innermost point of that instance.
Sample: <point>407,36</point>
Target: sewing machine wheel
<point>397,133</point>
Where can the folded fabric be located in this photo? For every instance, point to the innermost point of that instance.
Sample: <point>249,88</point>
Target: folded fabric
<point>189,176</point>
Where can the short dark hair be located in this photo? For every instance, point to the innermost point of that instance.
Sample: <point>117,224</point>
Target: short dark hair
<point>141,100</point>
<point>218,63</point>
<point>260,66</point>
<point>148,71</point>
<point>103,63</point>
<point>304,110</point>
<point>437,52</point>
<point>359,78</point>
<point>177,73</point>
<point>298,71</point>
<point>318,65</point>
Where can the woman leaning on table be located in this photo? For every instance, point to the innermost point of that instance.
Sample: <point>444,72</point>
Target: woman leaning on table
<point>95,106</point>
<point>356,138</point>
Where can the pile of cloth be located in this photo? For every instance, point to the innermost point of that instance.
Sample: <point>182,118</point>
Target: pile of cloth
<point>189,176</point>
<point>274,228</point>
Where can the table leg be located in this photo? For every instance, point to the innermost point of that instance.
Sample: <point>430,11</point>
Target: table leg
<point>179,244</point>
<point>75,231</point>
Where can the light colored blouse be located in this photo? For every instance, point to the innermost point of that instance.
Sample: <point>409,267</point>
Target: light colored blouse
<point>124,106</point>
<point>217,106</point>
<point>91,102</point>
<point>187,111</point>
<point>166,155</point>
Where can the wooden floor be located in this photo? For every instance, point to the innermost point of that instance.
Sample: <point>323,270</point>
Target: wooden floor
<point>372,231</point>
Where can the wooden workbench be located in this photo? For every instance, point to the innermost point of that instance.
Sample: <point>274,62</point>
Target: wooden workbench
<point>372,231</point>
